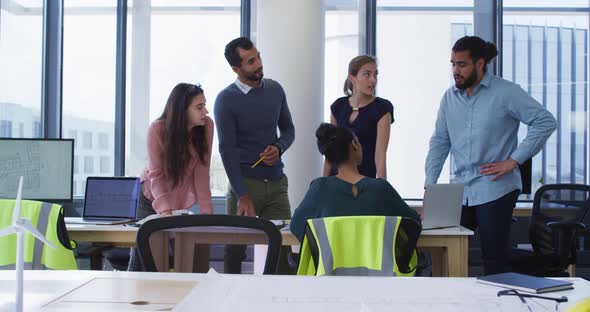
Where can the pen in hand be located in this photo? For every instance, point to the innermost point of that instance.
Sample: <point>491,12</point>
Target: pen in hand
<point>256,163</point>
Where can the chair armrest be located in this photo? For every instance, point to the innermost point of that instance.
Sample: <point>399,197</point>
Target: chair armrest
<point>566,225</point>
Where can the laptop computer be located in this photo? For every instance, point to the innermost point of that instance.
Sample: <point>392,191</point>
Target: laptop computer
<point>442,206</point>
<point>109,200</point>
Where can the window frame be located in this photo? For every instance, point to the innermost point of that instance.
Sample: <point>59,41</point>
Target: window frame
<point>489,21</point>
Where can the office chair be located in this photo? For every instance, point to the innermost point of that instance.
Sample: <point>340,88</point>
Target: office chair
<point>360,246</point>
<point>171,223</point>
<point>557,217</point>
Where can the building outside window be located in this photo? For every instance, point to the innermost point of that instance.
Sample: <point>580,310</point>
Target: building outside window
<point>88,165</point>
<point>105,164</point>
<point>87,139</point>
<point>21,55</point>
<point>73,134</point>
<point>342,39</point>
<point>414,41</point>
<point>169,42</point>
<point>36,129</point>
<point>89,64</point>
<point>545,51</point>
<point>5,128</point>
<point>76,164</point>
<point>103,141</point>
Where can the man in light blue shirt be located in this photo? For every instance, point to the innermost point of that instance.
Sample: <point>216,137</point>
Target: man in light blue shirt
<point>478,122</point>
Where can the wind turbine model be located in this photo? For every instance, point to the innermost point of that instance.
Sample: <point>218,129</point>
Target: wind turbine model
<point>19,226</point>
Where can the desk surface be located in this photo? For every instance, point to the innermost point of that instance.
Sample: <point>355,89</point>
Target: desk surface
<point>450,231</point>
<point>219,292</point>
<point>124,236</point>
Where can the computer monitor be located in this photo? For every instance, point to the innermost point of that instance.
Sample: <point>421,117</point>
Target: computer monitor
<point>47,166</point>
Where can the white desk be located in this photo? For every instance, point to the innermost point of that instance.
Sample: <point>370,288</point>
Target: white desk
<point>218,292</point>
<point>449,246</point>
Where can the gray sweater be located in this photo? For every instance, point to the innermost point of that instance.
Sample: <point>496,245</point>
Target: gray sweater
<point>246,125</point>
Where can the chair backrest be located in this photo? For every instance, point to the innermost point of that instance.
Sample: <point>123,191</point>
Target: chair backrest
<point>557,203</point>
<point>360,245</point>
<point>273,234</point>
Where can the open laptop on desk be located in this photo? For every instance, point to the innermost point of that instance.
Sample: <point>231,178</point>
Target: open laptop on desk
<point>442,206</point>
<point>109,200</point>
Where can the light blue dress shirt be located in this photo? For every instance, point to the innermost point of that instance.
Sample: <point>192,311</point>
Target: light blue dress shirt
<point>482,129</point>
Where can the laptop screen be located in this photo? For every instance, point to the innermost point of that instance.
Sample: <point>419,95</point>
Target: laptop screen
<point>111,197</point>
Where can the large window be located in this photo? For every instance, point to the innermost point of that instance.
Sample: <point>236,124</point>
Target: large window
<point>169,42</point>
<point>342,44</point>
<point>89,50</point>
<point>545,51</point>
<point>414,40</point>
<point>21,43</point>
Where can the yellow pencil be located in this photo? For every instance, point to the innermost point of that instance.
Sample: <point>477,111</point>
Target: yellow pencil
<point>256,163</point>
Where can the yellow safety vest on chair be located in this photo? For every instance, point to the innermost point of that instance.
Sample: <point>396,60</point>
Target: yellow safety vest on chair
<point>49,220</point>
<point>360,246</point>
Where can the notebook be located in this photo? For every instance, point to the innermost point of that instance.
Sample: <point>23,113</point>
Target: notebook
<point>442,205</point>
<point>109,200</point>
<point>524,282</point>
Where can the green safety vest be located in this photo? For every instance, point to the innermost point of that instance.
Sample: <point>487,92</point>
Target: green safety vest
<point>357,245</point>
<point>49,220</point>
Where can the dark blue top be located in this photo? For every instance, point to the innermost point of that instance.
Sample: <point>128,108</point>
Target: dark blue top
<point>333,197</point>
<point>365,128</point>
<point>246,125</point>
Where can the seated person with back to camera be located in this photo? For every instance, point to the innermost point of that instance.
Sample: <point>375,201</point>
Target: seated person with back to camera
<point>348,193</point>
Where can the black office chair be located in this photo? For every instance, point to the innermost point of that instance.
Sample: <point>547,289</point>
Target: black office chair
<point>557,218</point>
<point>273,234</point>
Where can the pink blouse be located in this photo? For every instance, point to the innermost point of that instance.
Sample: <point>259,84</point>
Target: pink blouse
<point>192,188</point>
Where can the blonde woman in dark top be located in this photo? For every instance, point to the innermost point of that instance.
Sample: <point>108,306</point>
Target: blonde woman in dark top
<point>368,116</point>
<point>348,193</point>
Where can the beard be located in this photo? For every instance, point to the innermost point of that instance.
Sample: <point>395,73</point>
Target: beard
<point>257,75</point>
<point>467,82</point>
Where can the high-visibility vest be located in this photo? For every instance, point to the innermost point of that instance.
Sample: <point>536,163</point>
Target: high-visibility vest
<point>49,220</point>
<point>359,246</point>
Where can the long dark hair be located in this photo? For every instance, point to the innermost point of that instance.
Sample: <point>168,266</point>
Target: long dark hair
<point>176,137</point>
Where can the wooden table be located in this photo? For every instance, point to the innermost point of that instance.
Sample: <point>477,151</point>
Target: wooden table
<point>449,246</point>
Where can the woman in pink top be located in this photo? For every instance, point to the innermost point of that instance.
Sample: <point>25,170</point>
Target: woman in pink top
<point>179,156</point>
